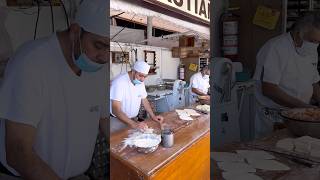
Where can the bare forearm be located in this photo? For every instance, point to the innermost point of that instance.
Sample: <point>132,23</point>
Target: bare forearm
<point>31,167</point>
<point>282,98</point>
<point>123,117</point>
<point>198,92</point>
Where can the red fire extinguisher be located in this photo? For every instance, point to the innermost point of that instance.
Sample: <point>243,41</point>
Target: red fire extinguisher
<point>230,35</point>
<point>181,71</point>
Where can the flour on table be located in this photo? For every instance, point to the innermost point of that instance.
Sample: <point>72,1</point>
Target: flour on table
<point>186,118</point>
<point>236,167</point>
<point>226,156</point>
<point>249,154</point>
<point>267,164</point>
<point>240,176</point>
<point>286,144</point>
<point>187,112</point>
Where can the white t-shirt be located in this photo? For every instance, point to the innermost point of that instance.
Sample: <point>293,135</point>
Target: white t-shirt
<point>130,96</point>
<point>199,82</point>
<point>283,66</point>
<point>41,90</point>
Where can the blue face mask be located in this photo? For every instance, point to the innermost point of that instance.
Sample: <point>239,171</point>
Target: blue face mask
<point>85,64</point>
<point>136,81</point>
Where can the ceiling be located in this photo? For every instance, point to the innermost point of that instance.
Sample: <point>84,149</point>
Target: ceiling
<point>156,21</point>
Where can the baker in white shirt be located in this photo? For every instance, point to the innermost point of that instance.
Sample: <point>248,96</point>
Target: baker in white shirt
<point>199,84</point>
<point>286,72</point>
<point>53,99</point>
<point>126,94</point>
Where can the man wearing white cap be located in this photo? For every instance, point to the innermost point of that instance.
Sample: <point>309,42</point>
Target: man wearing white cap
<point>126,94</point>
<point>53,99</point>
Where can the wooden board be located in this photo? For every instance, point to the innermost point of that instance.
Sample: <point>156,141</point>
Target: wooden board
<point>130,163</point>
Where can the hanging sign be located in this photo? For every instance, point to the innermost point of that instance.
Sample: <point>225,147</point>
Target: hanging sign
<point>195,8</point>
<point>266,17</point>
<point>193,67</point>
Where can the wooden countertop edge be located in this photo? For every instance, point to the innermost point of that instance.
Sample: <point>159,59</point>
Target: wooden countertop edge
<point>154,170</point>
<point>170,158</point>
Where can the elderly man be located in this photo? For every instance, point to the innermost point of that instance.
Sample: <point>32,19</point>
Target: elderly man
<point>199,84</point>
<point>126,94</point>
<point>53,99</point>
<point>286,71</point>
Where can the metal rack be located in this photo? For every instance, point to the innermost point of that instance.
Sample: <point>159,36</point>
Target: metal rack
<point>296,8</point>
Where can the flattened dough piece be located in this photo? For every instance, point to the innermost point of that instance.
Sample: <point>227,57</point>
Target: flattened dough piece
<point>180,111</point>
<point>186,118</point>
<point>236,167</point>
<point>226,157</point>
<point>303,144</point>
<point>240,176</point>
<point>286,144</point>
<point>315,149</point>
<point>249,154</point>
<point>269,165</point>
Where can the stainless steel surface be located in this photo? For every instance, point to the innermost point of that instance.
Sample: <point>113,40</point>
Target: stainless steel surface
<point>301,127</point>
<point>151,88</point>
<point>147,150</point>
<point>161,87</point>
<point>167,138</point>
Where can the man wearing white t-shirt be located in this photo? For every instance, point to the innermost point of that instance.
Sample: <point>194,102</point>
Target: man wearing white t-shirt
<point>199,84</point>
<point>126,94</point>
<point>286,72</point>
<point>53,99</point>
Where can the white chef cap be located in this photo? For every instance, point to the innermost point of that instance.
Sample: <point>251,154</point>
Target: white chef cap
<point>91,16</point>
<point>141,67</point>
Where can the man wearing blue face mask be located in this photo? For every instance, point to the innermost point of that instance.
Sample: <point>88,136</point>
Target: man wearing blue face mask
<point>53,99</point>
<point>199,84</point>
<point>286,71</point>
<point>127,92</point>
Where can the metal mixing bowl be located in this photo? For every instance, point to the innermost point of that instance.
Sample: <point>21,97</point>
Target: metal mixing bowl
<point>147,150</point>
<point>300,127</point>
<point>151,149</point>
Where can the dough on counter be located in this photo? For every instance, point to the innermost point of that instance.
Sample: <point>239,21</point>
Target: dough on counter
<point>185,117</point>
<point>267,164</point>
<point>180,111</point>
<point>236,167</point>
<point>303,144</point>
<point>226,156</point>
<point>252,154</point>
<point>194,114</point>
<point>190,111</point>
<point>286,144</point>
<point>240,176</point>
<point>203,108</point>
<point>315,149</point>
<point>187,112</point>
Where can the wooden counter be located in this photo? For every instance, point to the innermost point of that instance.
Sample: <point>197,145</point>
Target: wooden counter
<point>189,158</point>
<point>297,170</point>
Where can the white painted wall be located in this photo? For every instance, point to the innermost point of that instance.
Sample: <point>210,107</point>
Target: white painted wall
<point>168,66</point>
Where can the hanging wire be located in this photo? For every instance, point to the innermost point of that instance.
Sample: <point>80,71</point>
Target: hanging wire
<point>65,13</point>
<point>52,17</point>
<point>123,28</point>
<point>36,26</point>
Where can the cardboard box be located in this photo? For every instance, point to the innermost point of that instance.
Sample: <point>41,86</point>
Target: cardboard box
<point>183,52</point>
<point>186,41</point>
